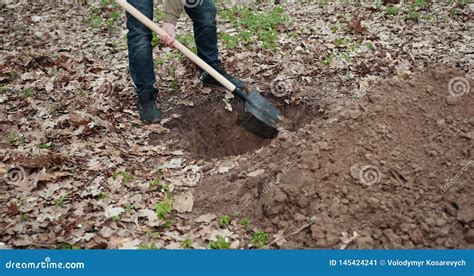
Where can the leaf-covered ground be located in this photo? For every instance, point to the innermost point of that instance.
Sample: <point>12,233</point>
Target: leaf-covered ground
<point>69,121</point>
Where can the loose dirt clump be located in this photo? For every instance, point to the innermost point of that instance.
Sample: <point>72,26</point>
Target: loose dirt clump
<point>392,170</point>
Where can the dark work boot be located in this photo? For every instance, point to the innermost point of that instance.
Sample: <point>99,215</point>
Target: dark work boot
<point>147,106</point>
<point>209,81</point>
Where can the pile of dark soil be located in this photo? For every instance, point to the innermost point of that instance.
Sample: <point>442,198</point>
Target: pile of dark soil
<point>396,167</point>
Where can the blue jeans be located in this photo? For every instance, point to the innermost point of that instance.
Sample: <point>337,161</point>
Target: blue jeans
<point>140,37</point>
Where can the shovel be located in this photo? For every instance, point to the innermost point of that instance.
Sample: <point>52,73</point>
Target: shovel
<point>263,117</point>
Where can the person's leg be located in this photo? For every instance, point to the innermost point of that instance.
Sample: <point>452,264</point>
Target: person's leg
<point>141,61</point>
<point>203,15</point>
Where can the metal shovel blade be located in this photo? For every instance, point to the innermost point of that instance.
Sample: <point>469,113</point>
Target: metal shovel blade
<point>262,109</point>
<point>260,116</point>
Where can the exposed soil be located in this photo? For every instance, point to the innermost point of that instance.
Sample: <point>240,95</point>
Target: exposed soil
<point>209,131</point>
<point>395,167</point>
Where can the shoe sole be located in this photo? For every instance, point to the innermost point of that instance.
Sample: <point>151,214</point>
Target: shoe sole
<point>156,120</point>
<point>151,122</point>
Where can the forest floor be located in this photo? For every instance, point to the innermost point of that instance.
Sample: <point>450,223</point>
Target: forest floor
<point>378,151</point>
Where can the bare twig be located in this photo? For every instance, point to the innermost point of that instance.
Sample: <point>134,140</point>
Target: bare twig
<point>297,231</point>
<point>8,226</point>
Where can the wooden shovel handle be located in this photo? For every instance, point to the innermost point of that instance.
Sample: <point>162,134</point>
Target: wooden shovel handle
<point>176,44</point>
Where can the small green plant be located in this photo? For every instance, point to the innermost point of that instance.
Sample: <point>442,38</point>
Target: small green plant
<point>161,186</point>
<point>159,15</point>
<point>455,11</point>
<point>393,10</point>
<point>66,245</point>
<point>106,3</point>
<point>220,243</point>
<point>14,74</point>
<point>187,243</point>
<point>54,112</point>
<point>413,9</point>
<point>155,40</point>
<point>23,217</point>
<point>112,19</point>
<point>328,60</point>
<point>94,10</point>
<point>128,208</point>
<point>168,223</point>
<point>246,36</point>
<point>259,239</point>
<point>268,39</point>
<point>345,56</point>
<point>262,25</point>
<point>168,57</point>
<point>163,208</point>
<point>231,41</point>
<point>322,3</point>
<point>48,146</point>
<point>27,92</point>
<point>174,85</point>
<point>106,12</point>
<point>134,125</point>
<point>126,176</point>
<point>245,222</point>
<point>59,202</point>
<point>3,88</point>
<point>223,221</point>
<point>159,61</point>
<point>116,218</point>
<point>349,75</point>
<point>428,17</point>
<point>155,183</point>
<point>188,40</point>
<point>101,195</point>
<point>341,42</point>
<point>151,233</point>
<point>96,21</point>
<point>147,246</point>
<point>370,46</point>
<point>421,4</point>
<point>463,3</point>
<point>14,137</point>
<point>412,15</point>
